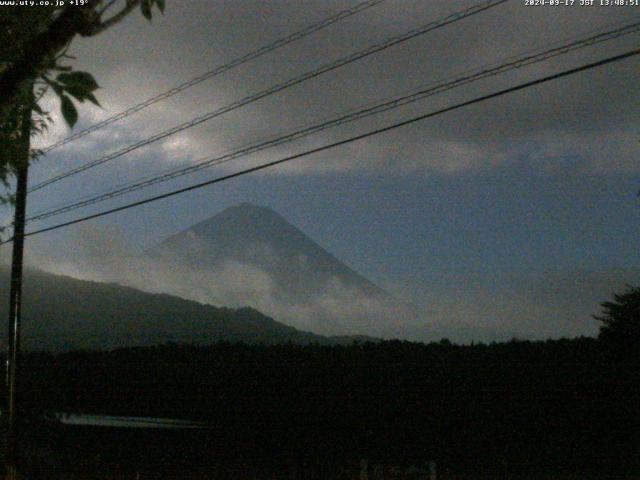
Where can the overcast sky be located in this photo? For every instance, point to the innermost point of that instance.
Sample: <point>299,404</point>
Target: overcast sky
<point>515,216</point>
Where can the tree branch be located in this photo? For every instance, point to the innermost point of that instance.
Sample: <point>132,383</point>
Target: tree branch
<point>38,53</point>
<point>102,26</point>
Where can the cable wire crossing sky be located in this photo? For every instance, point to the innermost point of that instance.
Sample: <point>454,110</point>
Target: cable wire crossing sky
<point>349,117</point>
<point>279,87</point>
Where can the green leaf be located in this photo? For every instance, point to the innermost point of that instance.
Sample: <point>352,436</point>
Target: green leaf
<point>160,4</point>
<point>79,79</point>
<point>81,95</point>
<point>69,111</point>
<point>145,8</point>
<point>93,99</point>
<point>76,92</point>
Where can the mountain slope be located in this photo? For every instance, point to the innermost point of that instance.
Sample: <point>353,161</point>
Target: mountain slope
<point>64,313</point>
<point>251,255</point>
<point>260,237</point>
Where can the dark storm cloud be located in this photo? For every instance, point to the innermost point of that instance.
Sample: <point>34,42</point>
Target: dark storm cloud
<point>569,117</point>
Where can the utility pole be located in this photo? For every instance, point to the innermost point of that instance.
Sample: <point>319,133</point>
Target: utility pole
<point>15,295</point>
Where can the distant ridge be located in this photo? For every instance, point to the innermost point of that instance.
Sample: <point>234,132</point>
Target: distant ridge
<point>62,313</point>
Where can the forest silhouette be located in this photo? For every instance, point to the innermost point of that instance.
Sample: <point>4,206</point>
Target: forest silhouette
<point>557,407</point>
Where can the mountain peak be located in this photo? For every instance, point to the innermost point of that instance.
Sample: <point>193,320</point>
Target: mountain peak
<point>247,207</point>
<point>250,255</point>
<point>261,238</point>
<point>245,221</point>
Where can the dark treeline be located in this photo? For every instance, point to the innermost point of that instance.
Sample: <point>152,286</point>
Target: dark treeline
<point>561,406</point>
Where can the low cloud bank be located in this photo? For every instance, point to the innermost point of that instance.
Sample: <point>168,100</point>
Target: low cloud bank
<point>336,309</point>
<point>463,308</point>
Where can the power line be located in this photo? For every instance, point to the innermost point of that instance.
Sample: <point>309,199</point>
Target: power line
<point>530,56</point>
<point>219,70</point>
<point>390,42</point>
<point>345,118</point>
<point>313,151</point>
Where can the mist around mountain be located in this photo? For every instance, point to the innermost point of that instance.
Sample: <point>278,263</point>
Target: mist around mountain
<point>248,256</point>
<point>245,274</point>
<point>276,268</point>
<point>63,313</point>
<point>260,237</point>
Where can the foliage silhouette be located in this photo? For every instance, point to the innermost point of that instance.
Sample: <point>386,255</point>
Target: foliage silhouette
<point>554,407</point>
<point>620,320</point>
<point>37,39</point>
